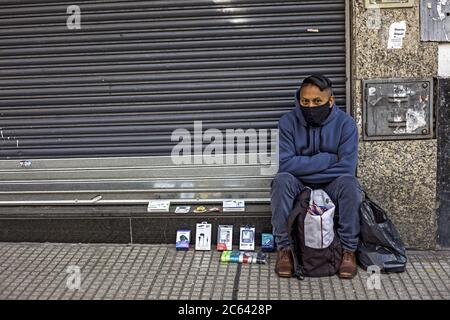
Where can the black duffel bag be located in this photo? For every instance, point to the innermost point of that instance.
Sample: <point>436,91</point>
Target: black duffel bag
<point>379,241</point>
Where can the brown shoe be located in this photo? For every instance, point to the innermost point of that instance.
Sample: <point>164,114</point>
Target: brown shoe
<point>348,267</point>
<point>285,263</point>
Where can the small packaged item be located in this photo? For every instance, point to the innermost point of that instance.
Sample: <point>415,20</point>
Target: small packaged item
<point>182,209</point>
<point>233,205</point>
<point>234,256</point>
<point>230,256</point>
<point>247,238</point>
<point>225,237</point>
<point>200,209</point>
<point>158,206</point>
<point>203,236</point>
<point>252,257</point>
<point>225,256</point>
<point>214,209</point>
<point>237,256</point>
<point>267,243</point>
<point>183,239</point>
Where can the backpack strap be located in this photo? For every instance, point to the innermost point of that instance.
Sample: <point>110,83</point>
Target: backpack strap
<point>301,204</point>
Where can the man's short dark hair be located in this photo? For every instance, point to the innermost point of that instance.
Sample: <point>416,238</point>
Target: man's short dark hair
<point>318,80</point>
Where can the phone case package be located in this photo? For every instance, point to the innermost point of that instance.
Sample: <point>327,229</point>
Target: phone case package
<point>183,239</point>
<point>247,238</point>
<point>267,243</point>
<point>225,237</point>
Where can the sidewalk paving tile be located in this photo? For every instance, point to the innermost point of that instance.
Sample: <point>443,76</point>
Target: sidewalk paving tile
<point>40,271</point>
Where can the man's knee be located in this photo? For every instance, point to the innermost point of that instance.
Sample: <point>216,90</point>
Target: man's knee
<point>283,180</point>
<point>348,182</point>
<point>349,185</point>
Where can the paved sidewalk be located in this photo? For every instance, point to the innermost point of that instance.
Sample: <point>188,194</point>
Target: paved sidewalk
<point>39,271</point>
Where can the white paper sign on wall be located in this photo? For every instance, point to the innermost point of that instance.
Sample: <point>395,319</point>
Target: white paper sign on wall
<point>397,32</point>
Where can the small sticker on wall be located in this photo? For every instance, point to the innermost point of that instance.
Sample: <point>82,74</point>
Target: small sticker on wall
<point>397,32</point>
<point>373,18</point>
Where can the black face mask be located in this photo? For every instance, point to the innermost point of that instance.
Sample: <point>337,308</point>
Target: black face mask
<point>315,116</point>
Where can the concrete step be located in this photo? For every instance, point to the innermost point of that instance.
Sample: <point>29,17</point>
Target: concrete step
<point>119,223</point>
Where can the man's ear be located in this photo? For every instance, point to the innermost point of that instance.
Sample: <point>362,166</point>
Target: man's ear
<point>332,100</point>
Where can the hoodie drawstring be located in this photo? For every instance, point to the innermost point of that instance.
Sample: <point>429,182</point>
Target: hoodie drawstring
<point>308,138</point>
<point>320,138</point>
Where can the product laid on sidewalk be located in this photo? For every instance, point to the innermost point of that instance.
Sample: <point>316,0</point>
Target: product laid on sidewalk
<point>267,242</point>
<point>203,236</point>
<point>158,206</point>
<point>182,209</point>
<point>237,256</point>
<point>233,205</point>
<point>224,238</point>
<point>200,209</point>
<point>183,239</point>
<point>247,238</point>
<point>229,205</point>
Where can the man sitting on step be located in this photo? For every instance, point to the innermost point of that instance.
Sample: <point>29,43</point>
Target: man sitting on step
<point>318,148</point>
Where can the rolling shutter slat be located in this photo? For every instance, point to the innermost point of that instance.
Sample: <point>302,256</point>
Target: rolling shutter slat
<point>138,70</point>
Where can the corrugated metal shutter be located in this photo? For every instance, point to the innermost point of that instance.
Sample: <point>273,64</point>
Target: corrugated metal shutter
<point>137,70</point>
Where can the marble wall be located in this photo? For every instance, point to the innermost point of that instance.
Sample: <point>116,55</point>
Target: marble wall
<point>399,175</point>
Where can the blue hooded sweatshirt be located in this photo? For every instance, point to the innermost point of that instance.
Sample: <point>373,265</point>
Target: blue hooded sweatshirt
<point>310,153</point>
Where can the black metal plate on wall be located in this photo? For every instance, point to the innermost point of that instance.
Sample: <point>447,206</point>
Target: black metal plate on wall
<point>443,170</point>
<point>395,109</point>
